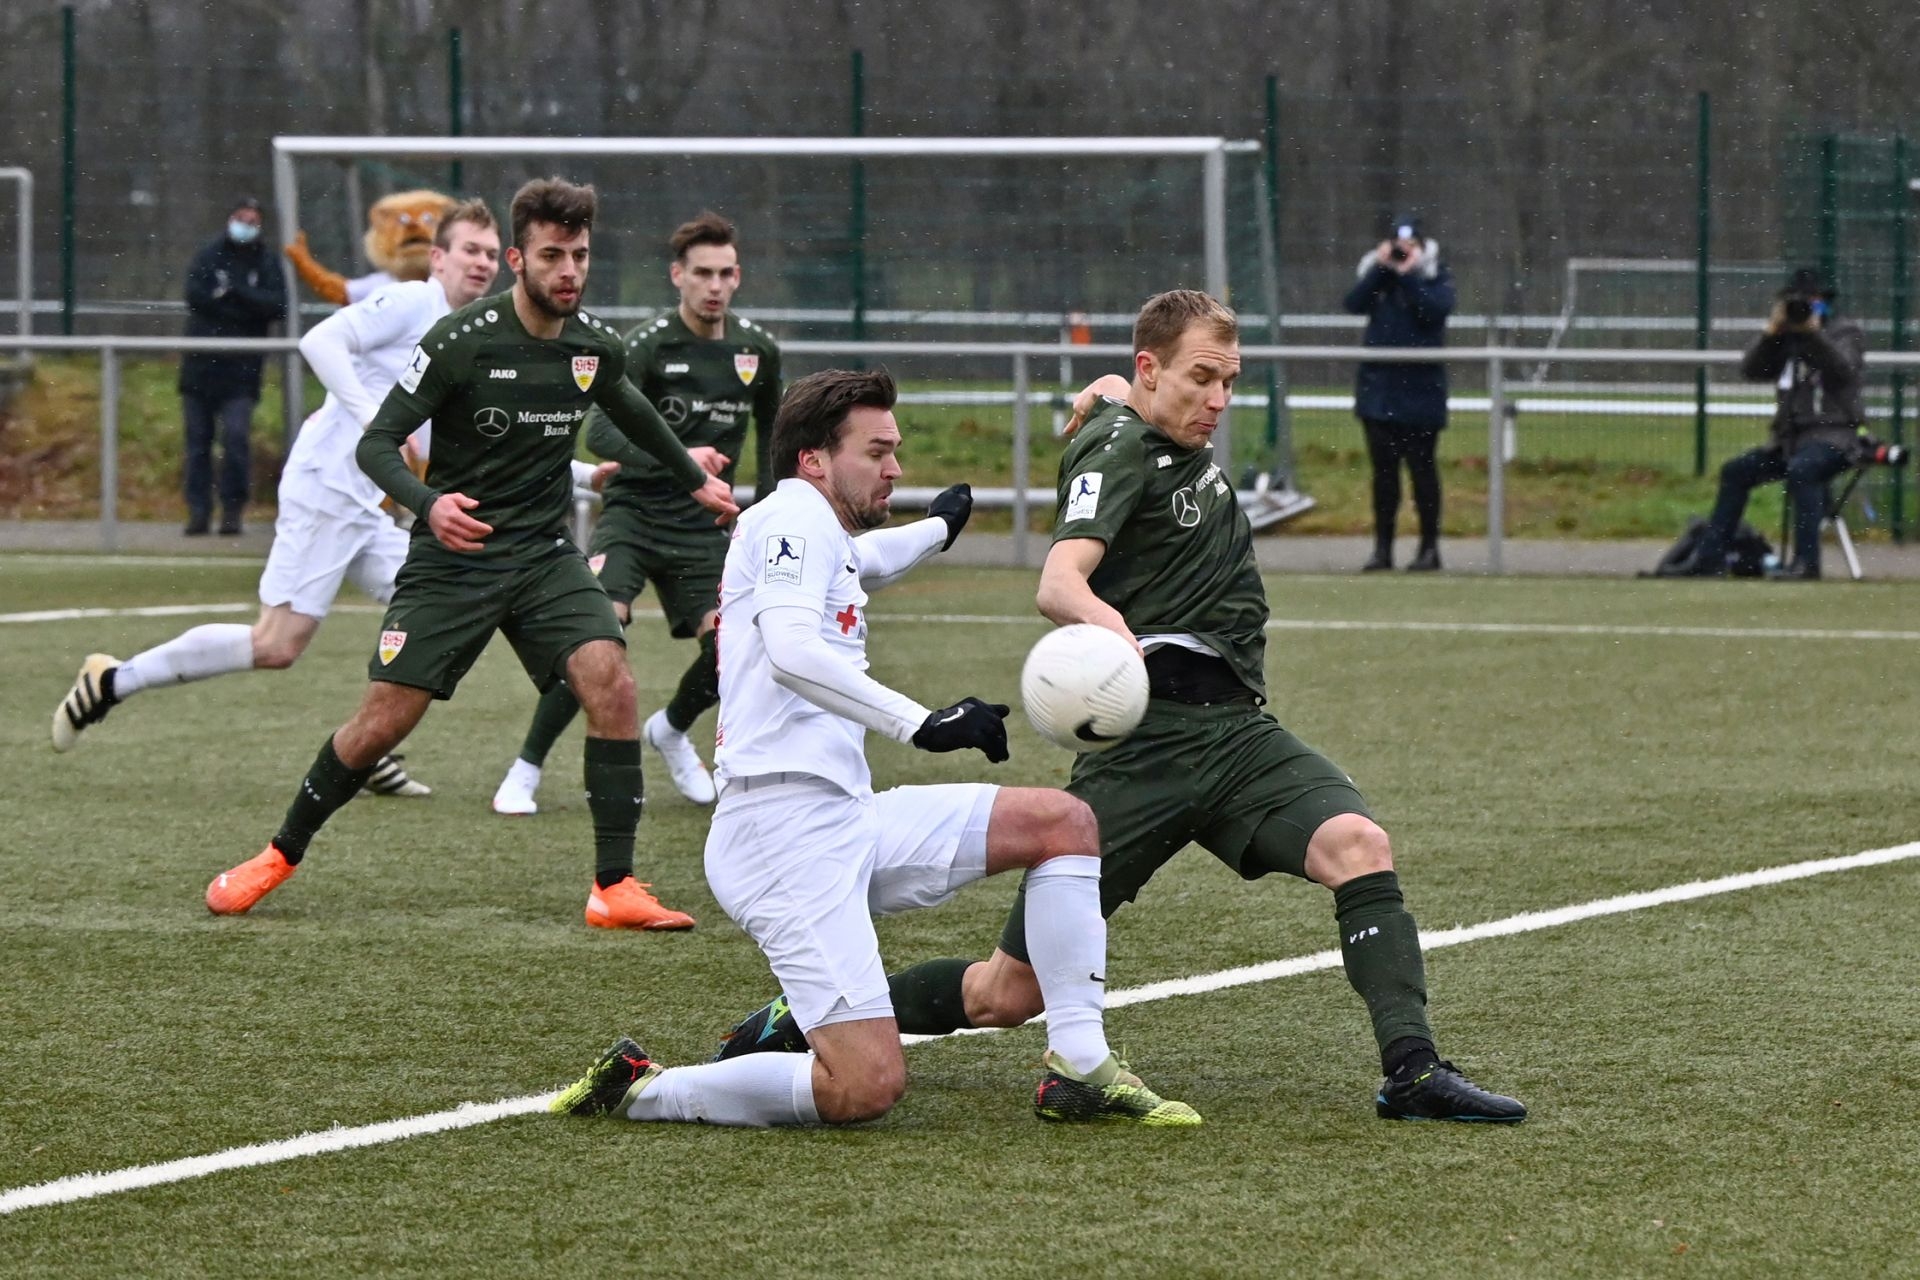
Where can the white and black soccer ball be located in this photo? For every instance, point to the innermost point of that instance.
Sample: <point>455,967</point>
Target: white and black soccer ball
<point>1084,687</point>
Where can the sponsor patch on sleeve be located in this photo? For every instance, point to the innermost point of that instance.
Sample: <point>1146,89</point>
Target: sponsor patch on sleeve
<point>786,555</point>
<point>416,369</point>
<point>1084,499</point>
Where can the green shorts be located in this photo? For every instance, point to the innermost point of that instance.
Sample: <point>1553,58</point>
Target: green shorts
<point>443,612</point>
<point>1227,778</point>
<point>684,567</point>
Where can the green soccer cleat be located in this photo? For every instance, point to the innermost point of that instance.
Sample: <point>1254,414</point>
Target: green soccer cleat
<point>1065,1095</point>
<point>621,1072</point>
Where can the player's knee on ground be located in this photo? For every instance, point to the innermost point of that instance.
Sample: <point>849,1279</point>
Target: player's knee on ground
<point>1346,846</point>
<point>864,1092</point>
<point>275,653</point>
<point>1001,992</point>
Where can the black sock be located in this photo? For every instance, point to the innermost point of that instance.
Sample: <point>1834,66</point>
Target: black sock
<point>551,716</point>
<point>614,796</point>
<point>1410,1051</point>
<point>329,784</point>
<point>699,685</point>
<point>927,999</point>
<point>1381,947</point>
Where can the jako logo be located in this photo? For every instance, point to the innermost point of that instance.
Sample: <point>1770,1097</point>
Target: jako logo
<point>503,373</point>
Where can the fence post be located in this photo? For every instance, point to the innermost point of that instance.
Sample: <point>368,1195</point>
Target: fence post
<point>1022,447</point>
<point>1496,460</point>
<point>1702,295</point>
<point>857,211</point>
<point>1897,304</point>
<point>69,92</point>
<point>456,120</point>
<point>109,449</point>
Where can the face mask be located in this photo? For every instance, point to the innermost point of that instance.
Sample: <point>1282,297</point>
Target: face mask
<point>242,232</point>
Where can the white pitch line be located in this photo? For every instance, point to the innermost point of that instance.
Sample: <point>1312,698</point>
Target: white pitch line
<point>1034,620</point>
<point>87,1186</point>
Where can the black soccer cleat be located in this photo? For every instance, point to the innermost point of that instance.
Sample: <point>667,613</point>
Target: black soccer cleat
<point>619,1073</point>
<point>1437,1091</point>
<point>769,1029</point>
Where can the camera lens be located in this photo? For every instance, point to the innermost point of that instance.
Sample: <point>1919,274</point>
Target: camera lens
<point>1798,310</point>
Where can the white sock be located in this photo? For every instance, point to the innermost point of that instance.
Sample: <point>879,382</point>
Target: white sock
<point>755,1090</point>
<point>527,775</point>
<point>212,650</point>
<point>1067,941</point>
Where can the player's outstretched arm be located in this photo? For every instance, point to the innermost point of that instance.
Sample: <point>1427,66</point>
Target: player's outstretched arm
<point>378,452</point>
<point>1066,596</point>
<point>634,415</point>
<point>329,348</point>
<point>805,664</point>
<point>887,555</point>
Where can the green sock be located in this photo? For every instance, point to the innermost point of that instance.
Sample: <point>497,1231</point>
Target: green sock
<point>554,712</point>
<point>614,793</point>
<point>328,785</point>
<point>927,999</point>
<point>1381,947</point>
<point>699,685</point>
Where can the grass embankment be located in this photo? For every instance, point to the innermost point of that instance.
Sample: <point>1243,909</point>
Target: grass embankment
<point>1577,476</point>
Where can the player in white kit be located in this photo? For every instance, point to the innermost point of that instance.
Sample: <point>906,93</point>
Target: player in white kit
<point>332,526</point>
<point>802,853</point>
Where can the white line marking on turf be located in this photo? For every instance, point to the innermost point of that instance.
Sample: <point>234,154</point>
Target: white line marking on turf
<point>86,1186</point>
<point>997,619</point>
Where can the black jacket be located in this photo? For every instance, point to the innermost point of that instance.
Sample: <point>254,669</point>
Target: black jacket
<point>1403,311</point>
<point>233,291</point>
<point>1817,377</point>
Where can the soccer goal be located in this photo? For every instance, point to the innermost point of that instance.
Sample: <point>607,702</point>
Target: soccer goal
<point>846,239</point>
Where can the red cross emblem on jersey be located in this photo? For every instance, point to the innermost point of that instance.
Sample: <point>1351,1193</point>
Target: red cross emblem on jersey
<point>847,619</point>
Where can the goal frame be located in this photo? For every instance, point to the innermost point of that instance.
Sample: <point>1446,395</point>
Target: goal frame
<point>1210,151</point>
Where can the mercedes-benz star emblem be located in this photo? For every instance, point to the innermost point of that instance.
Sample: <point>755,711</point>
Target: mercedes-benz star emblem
<point>491,422</point>
<point>1185,509</point>
<point>673,409</point>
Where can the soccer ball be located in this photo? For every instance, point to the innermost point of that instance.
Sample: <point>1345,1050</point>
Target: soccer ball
<point>1084,687</point>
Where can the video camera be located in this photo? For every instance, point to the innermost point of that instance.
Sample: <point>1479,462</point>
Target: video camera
<point>1881,453</point>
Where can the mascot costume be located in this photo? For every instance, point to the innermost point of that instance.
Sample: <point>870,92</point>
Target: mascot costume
<point>400,231</point>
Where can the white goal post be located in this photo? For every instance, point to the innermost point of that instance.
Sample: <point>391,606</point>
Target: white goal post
<point>1211,152</point>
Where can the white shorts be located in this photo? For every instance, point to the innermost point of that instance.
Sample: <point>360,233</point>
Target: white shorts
<point>804,867</point>
<point>317,548</point>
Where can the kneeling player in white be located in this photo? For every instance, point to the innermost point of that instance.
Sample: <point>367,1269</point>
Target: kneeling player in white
<point>802,853</point>
<point>331,526</point>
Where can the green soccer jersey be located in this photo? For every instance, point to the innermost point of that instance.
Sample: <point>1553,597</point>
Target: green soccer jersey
<point>705,388</point>
<point>505,408</point>
<point>1179,556</point>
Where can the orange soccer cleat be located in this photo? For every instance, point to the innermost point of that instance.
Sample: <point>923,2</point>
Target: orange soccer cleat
<point>626,904</point>
<point>235,892</point>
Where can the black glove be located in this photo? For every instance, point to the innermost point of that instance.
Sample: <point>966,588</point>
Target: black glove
<point>954,506</point>
<point>967,723</point>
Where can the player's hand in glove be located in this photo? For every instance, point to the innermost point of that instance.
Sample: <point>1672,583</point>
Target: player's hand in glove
<point>967,723</point>
<point>954,506</point>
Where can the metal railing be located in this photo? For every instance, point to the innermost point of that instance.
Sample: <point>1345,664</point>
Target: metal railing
<point>1021,497</point>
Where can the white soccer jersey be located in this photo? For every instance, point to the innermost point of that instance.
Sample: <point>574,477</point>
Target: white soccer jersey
<point>360,288</point>
<point>789,550</point>
<point>381,333</point>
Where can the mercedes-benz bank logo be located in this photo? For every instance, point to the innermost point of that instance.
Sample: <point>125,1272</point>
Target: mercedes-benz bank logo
<point>491,422</point>
<point>673,409</point>
<point>1186,509</point>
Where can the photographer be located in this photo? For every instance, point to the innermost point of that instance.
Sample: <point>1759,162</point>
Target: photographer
<point>1816,358</point>
<point>1406,293</point>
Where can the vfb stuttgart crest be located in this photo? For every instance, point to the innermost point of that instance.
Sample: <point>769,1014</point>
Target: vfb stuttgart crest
<point>746,364</point>
<point>391,643</point>
<point>584,367</point>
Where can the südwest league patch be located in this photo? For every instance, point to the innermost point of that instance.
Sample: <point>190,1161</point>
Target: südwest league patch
<point>786,556</point>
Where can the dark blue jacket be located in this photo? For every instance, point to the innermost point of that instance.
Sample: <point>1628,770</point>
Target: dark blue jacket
<point>1403,311</point>
<point>233,291</point>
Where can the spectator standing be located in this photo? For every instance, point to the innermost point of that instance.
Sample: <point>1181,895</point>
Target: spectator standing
<point>1406,293</point>
<point>235,289</point>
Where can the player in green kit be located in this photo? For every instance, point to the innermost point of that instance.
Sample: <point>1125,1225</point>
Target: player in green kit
<point>1150,542</point>
<point>706,369</point>
<point>507,381</point>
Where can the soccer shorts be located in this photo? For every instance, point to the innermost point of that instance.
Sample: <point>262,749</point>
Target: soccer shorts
<point>804,867</point>
<point>444,612</point>
<point>1216,776</point>
<point>627,553</point>
<point>316,548</point>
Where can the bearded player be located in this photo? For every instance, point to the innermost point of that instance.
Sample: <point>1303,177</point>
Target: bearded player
<point>506,382</point>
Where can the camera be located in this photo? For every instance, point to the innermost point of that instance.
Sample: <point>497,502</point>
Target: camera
<point>1881,453</point>
<point>1798,309</point>
<point>1398,253</point>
